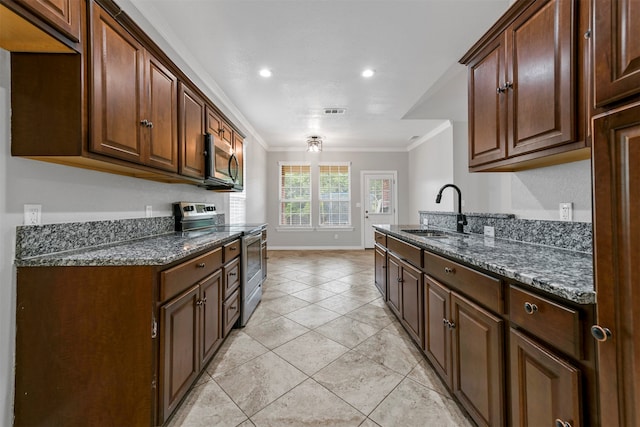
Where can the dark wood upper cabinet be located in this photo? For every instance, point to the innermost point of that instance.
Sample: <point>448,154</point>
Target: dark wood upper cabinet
<point>487,106</point>
<point>617,50</point>
<point>134,99</point>
<point>616,186</point>
<point>118,81</point>
<point>64,15</point>
<point>545,390</point>
<point>192,129</point>
<point>542,75</point>
<point>163,115</point>
<point>526,80</point>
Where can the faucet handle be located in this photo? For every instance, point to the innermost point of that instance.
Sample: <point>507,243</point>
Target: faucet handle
<point>462,219</point>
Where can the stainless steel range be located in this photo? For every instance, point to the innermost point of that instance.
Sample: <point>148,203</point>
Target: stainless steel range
<point>202,218</point>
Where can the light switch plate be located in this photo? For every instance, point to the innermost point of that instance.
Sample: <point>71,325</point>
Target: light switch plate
<point>148,211</point>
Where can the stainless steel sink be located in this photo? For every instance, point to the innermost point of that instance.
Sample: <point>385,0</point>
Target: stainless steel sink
<point>427,233</point>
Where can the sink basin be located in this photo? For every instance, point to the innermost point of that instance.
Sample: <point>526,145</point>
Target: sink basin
<point>427,233</point>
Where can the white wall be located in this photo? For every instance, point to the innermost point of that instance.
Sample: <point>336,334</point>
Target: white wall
<point>530,194</point>
<point>430,167</point>
<point>71,194</point>
<point>359,161</point>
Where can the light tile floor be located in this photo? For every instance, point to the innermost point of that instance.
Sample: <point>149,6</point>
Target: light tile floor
<point>322,349</point>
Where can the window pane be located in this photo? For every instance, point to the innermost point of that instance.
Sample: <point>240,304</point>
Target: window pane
<point>335,195</point>
<point>295,195</point>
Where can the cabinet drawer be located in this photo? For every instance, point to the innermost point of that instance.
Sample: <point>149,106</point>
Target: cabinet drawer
<point>180,277</point>
<point>380,238</point>
<point>231,250</point>
<point>231,273</point>
<point>556,324</point>
<point>230,311</point>
<point>406,251</point>
<point>484,289</point>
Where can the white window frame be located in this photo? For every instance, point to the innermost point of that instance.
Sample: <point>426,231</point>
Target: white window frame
<point>281,200</point>
<point>320,200</point>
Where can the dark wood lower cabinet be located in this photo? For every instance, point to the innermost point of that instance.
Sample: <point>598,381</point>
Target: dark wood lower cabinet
<point>393,284</point>
<point>211,291</point>
<point>437,338</point>
<point>478,363</point>
<point>405,295</point>
<point>180,364</point>
<point>545,390</point>
<point>380,267</point>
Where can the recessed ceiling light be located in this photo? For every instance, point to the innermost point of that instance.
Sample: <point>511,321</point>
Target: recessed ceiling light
<point>368,73</point>
<point>265,72</point>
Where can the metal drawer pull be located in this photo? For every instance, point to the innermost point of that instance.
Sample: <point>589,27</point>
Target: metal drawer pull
<point>200,265</point>
<point>560,423</point>
<point>601,334</point>
<point>449,324</point>
<point>233,307</point>
<point>449,270</point>
<point>199,302</point>
<point>530,308</point>
<point>400,280</point>
<point>233,273</point>
<point>233,248</point>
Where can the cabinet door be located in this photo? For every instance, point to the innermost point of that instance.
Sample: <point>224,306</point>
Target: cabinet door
<point>64,15</point>
<point>412,299</point>
<point>617,50</point>
<point>179,353</point>
<point>192,111</point>
<point>616,184</point>
<point>118,78</point>
<point>393,283</point>
<point>211,316</point>
<point>162,114</point>
<point>230,312</point>
<point>478,364</point>
<point>542,71</point>
<point>545,390</point>
<point>238,150</point>
<point>437,336</point>
<point>487,105</point>
<point>380,263</point>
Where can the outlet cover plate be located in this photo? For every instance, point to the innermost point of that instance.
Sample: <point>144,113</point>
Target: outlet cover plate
<point>32,214</point>
<point>566,211</point>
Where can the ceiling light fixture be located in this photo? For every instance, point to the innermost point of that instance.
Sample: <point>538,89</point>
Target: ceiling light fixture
<point>368,73</point>
<point>265,72</point>
<point>314,144</point>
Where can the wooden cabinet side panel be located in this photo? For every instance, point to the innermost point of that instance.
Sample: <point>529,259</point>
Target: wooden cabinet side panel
<point>118,76</point>
<point>617,50</point>
<point>192,127</point>
<point>478,367</point>
<point>238,150</point>
<point>84,352</point>
<point>616,180</point>
<point>544,388</point>
<point>380,267</point>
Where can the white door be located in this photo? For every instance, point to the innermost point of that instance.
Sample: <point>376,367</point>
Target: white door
<point>379,201</point>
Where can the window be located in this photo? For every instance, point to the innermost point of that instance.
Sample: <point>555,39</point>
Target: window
<point>335,194</point>
<point>295,194</point>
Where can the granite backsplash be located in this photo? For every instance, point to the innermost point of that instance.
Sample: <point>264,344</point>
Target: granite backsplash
<point>576,236</point>
<point>36,240</point>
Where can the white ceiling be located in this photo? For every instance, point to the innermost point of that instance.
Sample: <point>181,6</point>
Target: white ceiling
<point>317,50</point>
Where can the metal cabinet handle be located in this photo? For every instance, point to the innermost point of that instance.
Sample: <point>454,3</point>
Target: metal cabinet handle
<point>199,302</point>
<point>233,248</point>
<point>384,267</point>
<point>233,274</point>
<point>233,307</point>
<point>150,124</point>
<point>505,87</point>
<point>587,34</point>
<point>601,334</point>
<point>530,308</point>
<point>200,265</point>
<point>400,280</point>
<point>449,270</point>
<point>204,300</point>
<point>449,324</point>
<point>144,123</point>
<point>561,423</point>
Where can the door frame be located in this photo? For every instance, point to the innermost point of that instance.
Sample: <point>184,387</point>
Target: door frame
<point>363,202</point>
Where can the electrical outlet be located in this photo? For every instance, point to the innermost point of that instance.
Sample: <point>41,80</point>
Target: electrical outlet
<point>566,211</point>
<point>489,231</point>
<point>425,221</point>
<point>148,211</point>
<point>32,214</point>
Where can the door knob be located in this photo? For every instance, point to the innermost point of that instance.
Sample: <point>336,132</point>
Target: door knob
<point>601,334</point>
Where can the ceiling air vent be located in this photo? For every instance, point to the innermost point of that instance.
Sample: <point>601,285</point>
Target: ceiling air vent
<point>334,111</point>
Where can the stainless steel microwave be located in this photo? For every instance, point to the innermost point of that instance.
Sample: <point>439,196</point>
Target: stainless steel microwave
<point>221,164</point>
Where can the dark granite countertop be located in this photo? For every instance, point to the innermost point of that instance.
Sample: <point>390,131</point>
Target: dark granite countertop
<point>156,250</point>
<point>564,273</point>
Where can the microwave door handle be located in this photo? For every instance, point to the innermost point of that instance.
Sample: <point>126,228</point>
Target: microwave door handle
<point>233,168</point>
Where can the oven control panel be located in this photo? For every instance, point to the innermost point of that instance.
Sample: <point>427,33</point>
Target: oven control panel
<point>194,210</point>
